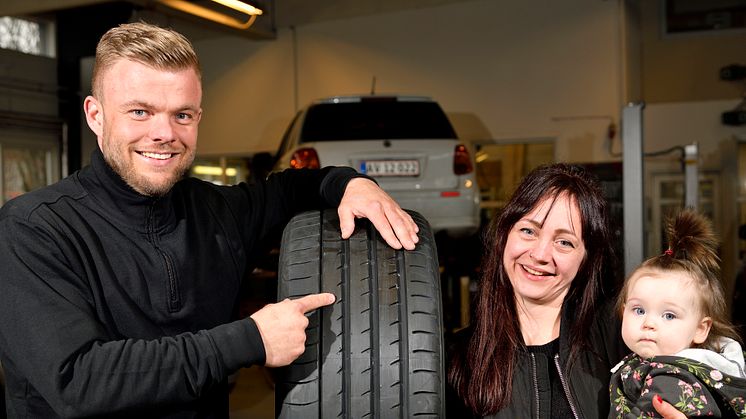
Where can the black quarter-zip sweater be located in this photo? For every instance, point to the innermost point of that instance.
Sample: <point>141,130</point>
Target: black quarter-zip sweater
<point>117,304</point>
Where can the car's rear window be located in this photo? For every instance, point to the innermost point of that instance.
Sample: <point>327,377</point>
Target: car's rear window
<point>376,120</point>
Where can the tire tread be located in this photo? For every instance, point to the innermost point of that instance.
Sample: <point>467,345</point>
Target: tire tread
<point>377,352</point>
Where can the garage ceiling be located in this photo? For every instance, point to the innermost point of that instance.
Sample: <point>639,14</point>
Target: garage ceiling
<point>278,13</point>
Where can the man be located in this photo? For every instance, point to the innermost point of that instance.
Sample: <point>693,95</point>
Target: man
<point>118,283</point>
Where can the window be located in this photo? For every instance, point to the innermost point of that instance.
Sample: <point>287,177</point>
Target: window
<point>26,166</point>
<point>27,36</point>
<point>683,16</point>
<point>668,200</point>
<point>500,167</point>
<point>376,119</point>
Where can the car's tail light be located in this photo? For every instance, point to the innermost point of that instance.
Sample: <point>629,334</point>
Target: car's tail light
<point>461,160</point>
<point>450,194</point>
<point>305,158</point>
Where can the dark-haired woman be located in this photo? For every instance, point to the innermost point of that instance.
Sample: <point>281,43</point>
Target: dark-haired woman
<point>544,338</point>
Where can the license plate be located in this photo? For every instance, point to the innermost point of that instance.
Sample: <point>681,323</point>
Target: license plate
<point>390,167</point>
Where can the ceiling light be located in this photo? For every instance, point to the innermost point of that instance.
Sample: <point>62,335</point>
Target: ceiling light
<point>240,6</point>
<point>215,16</point>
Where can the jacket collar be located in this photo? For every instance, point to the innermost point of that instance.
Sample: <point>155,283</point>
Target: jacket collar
<point>122,203</point>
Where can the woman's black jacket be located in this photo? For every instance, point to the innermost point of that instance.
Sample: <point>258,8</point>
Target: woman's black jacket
<point>587,378</point>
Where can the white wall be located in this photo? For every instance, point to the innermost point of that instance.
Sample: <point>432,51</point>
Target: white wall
<point>530,69</point>
<point>670,124</point>
<point>247,94</point>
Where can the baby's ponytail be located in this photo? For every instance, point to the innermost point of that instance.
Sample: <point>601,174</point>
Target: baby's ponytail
<point>691,238</point>
<point>693,248</point>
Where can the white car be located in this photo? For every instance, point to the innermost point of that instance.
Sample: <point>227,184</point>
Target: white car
<point>406,143</point>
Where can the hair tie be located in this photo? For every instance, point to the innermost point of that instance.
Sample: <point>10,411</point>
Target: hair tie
<point>668,252</point>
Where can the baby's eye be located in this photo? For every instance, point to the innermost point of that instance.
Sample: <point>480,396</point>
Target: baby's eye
<point>638,311</point>
<point>669,316</point>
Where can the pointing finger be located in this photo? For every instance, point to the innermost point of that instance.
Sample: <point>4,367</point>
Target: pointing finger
<point>313,301</point>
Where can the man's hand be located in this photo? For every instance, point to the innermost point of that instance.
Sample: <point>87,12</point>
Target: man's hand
<point>283,327</point>
<point>665,409</point>
<point>363,198</point>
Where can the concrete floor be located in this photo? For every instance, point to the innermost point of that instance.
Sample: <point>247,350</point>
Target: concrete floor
<point>253,396</point>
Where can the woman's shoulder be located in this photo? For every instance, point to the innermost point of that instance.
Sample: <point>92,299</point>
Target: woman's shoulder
<point>605,337</point>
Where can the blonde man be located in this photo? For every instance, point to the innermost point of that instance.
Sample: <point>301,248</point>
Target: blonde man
<point>118,282</point>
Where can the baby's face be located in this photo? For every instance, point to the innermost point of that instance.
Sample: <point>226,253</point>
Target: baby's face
<point>662,314</point>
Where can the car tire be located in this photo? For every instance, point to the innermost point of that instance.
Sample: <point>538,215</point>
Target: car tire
<point>2,393</point>
<point>378,350</point>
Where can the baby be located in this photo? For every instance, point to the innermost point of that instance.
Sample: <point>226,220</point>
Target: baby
<point>673,319</point>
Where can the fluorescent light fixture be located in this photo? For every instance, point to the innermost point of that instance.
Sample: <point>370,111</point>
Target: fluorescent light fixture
<point>240,6</point>
<point>213,171</point>
<point>209,14</point>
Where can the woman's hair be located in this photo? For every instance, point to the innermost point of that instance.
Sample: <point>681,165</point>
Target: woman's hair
<point>156,47</point>
<point>483,374</point>
<point>692,250</point>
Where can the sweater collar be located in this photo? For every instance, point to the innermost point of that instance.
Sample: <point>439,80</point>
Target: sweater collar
<point>129,207</point>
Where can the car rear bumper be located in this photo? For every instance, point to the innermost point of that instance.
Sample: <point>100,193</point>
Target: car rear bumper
<point>457,215</point>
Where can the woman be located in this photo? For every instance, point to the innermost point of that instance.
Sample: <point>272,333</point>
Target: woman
<point>544,338</point>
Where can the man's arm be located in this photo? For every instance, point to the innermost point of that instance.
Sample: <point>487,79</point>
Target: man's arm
<point>270,205</point>
<point>52,337</point>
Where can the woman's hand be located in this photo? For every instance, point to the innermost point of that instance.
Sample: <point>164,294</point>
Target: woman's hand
<point>665,409</point>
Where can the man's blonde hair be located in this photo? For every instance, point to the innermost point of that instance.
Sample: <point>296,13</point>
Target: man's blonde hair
<point>153,46</point>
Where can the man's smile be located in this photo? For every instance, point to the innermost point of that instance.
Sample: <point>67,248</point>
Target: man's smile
<point>157,156</point>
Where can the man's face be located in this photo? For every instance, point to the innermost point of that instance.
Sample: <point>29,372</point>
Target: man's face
<point>146,123</point>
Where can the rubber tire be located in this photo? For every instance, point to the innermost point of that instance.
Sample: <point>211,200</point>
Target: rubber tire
<point>2,393</point>
<point>377,352</point>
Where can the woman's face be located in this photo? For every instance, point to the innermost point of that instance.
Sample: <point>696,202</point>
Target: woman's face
<point>544,251</point>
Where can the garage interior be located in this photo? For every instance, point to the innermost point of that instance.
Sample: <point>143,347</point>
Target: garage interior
<point>524,82</point>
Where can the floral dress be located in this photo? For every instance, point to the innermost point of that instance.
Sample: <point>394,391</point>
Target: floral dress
<point>694,388</point>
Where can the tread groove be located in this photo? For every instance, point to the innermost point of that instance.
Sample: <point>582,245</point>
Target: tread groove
<point>375,378</point>
<point>404,336</point>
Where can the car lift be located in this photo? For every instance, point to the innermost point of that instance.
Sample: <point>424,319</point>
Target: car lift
<point>633,182</point>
